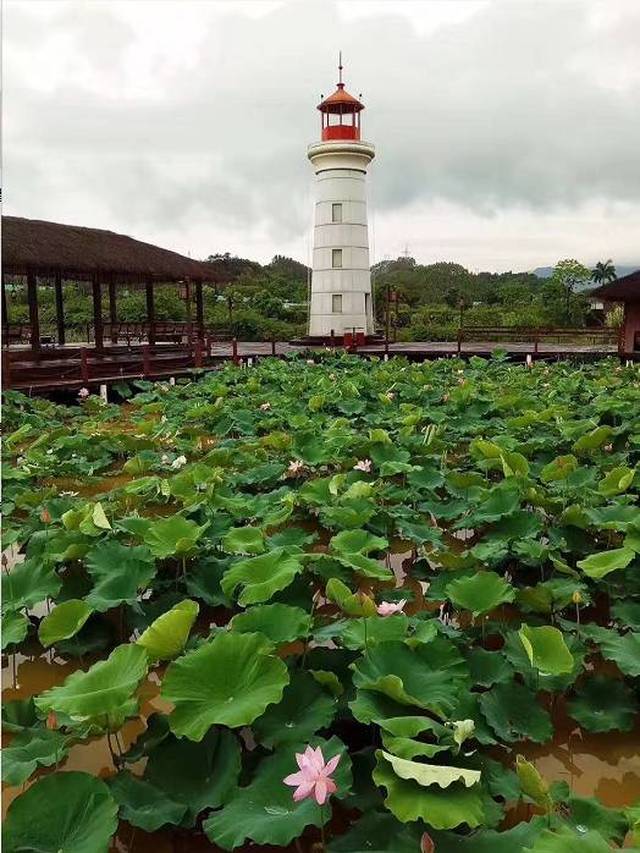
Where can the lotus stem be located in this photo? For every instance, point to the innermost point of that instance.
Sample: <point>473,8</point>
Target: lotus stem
<point>322,837</point>
<point>366,637</point>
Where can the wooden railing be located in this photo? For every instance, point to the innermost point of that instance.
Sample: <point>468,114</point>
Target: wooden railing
<point>600,336</point>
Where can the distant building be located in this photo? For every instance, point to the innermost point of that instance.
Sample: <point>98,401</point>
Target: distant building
<point>626,291</point>
<point>341,280</point>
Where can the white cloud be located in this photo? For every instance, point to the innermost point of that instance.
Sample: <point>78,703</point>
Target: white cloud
<point>507,132</point>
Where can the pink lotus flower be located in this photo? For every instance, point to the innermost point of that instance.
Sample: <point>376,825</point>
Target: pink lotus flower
<point>388,608</point>
<point>295,466</point>
<point>83,393</point>
<point>313,779</point>
<point>363,465</point>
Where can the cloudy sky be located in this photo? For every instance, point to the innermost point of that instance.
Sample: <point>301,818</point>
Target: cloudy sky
<point>507,131</point>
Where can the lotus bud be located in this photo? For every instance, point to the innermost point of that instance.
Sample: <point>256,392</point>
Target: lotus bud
<point>577,597</point>
<point>45,516</point>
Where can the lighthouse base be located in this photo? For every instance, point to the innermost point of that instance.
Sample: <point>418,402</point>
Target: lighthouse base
<point>347,340</point>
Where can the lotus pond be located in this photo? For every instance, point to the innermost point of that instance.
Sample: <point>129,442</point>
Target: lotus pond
<point>430,572</point>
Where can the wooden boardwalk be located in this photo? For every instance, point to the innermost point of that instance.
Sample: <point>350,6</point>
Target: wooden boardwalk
<point>73,367</point>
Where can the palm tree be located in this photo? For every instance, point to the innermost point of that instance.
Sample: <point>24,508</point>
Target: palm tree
<point>603,272</point>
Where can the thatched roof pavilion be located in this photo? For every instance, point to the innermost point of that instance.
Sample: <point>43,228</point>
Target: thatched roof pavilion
<point>50,250</point>
<point>627,291</point>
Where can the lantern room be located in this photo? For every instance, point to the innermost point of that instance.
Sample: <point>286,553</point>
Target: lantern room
<point>340,114</point>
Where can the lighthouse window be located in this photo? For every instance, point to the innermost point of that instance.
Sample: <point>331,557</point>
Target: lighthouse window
<point>336,303</point>
<point>336,258</point>
<point>336,213</point>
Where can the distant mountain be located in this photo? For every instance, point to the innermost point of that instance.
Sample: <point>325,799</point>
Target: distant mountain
<point>546,272</point>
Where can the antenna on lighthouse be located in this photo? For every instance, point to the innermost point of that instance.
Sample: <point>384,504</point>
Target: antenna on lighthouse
<point>340,83</point>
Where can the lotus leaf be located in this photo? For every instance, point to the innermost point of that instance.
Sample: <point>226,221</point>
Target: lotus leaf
<point>73,812</point>
<point>513,713</point>
<point>601,564</point>
<point>104,693</point>
<point>228,681</point>
<point>624,649</point>
<point>280,623</point>
<point>431,774</point>
<point>304,709</point>
<point>142,804</point>
<point>546,649</point>
<point>261,577</point>
<point>118,572</point>
<point>63,622</point>
<point>603,704</point>
<point>440,809</point>
<point>28,583</point>
<point>480,593</point>
<point>176,535</point>
<point>357,542</point>
<point>429,676</point>
<point>166,637</point>
<point>29,749</point>
<point>488,668</point>
<point>15,626</point>
<point>565,840</point>
<point>378,832</point>
<point>244,540</point>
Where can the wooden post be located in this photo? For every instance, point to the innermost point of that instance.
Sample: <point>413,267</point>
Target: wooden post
<point>459,339</point>
<point>198,353</point>
<point>199,310</point>
<point>151,311</point>
<point>34,320</point>
<point>113,310</point>
<point>146,360</point>
<point>273,346</point>
<point>84,365</point>
<point>59,309</point>
<point>209,344</point>
<point>536,342</point>
<point>97,312</point>
<point>332,338</point>
<point>6,369</point>
<point>5,314</point>
<point>234,351</point>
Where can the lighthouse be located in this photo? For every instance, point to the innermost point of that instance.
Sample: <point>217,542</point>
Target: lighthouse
<point>341,300</point>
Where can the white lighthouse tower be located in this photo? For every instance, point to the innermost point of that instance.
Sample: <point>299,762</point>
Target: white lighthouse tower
<point>341,282</point>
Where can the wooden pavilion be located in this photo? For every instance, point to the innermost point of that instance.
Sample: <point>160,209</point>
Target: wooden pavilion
<point>48,254</point>
<point>626,290</point>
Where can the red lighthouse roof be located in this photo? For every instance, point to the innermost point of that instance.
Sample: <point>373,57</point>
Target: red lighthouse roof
<point>340,113</point>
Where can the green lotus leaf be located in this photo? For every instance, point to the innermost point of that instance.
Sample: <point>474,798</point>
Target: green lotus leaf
<point>514,714</point>
<point>378,832</point>
<point>71,812</point>
<point>166,637</point>
<point>488,668</point>
<point>431,774</point>
<point>228,681</point>
<point>616,481</point>
<point>408,748</point>
<point>624,649</point>
<point>204,580</point>
<point>142,804</point>
<point>304,709</point>
<point>599,565</point>
<point>604,704</point>
<point>429,676</point>
<point>15,626</point>
<point>361,633</point>
<point>265,811</point>
<point>365,566</point>
<point>196,775</point>
<point>27,584</point>
<point>581,812</point>
<point>171,536</point>
<point>627,613</point>
<point>559,469</point>
<point>118,572</point>
<point>566,840</point>
<point>261,577</point>
<point>357,542</point>
<point>501,500</point>
<point>104,693</point>
<point>30,749</point>
<point>593,439</point>
<point>546,649</point>
<point>280,623</point>
<point>244,540</point>
<point>19,714</point>
<point>407,800</point>
<point>64,621</point>
<point>480,593</point>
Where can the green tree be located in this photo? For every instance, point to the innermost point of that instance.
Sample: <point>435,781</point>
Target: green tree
<point>571,276</point>
<point>603,272</point>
